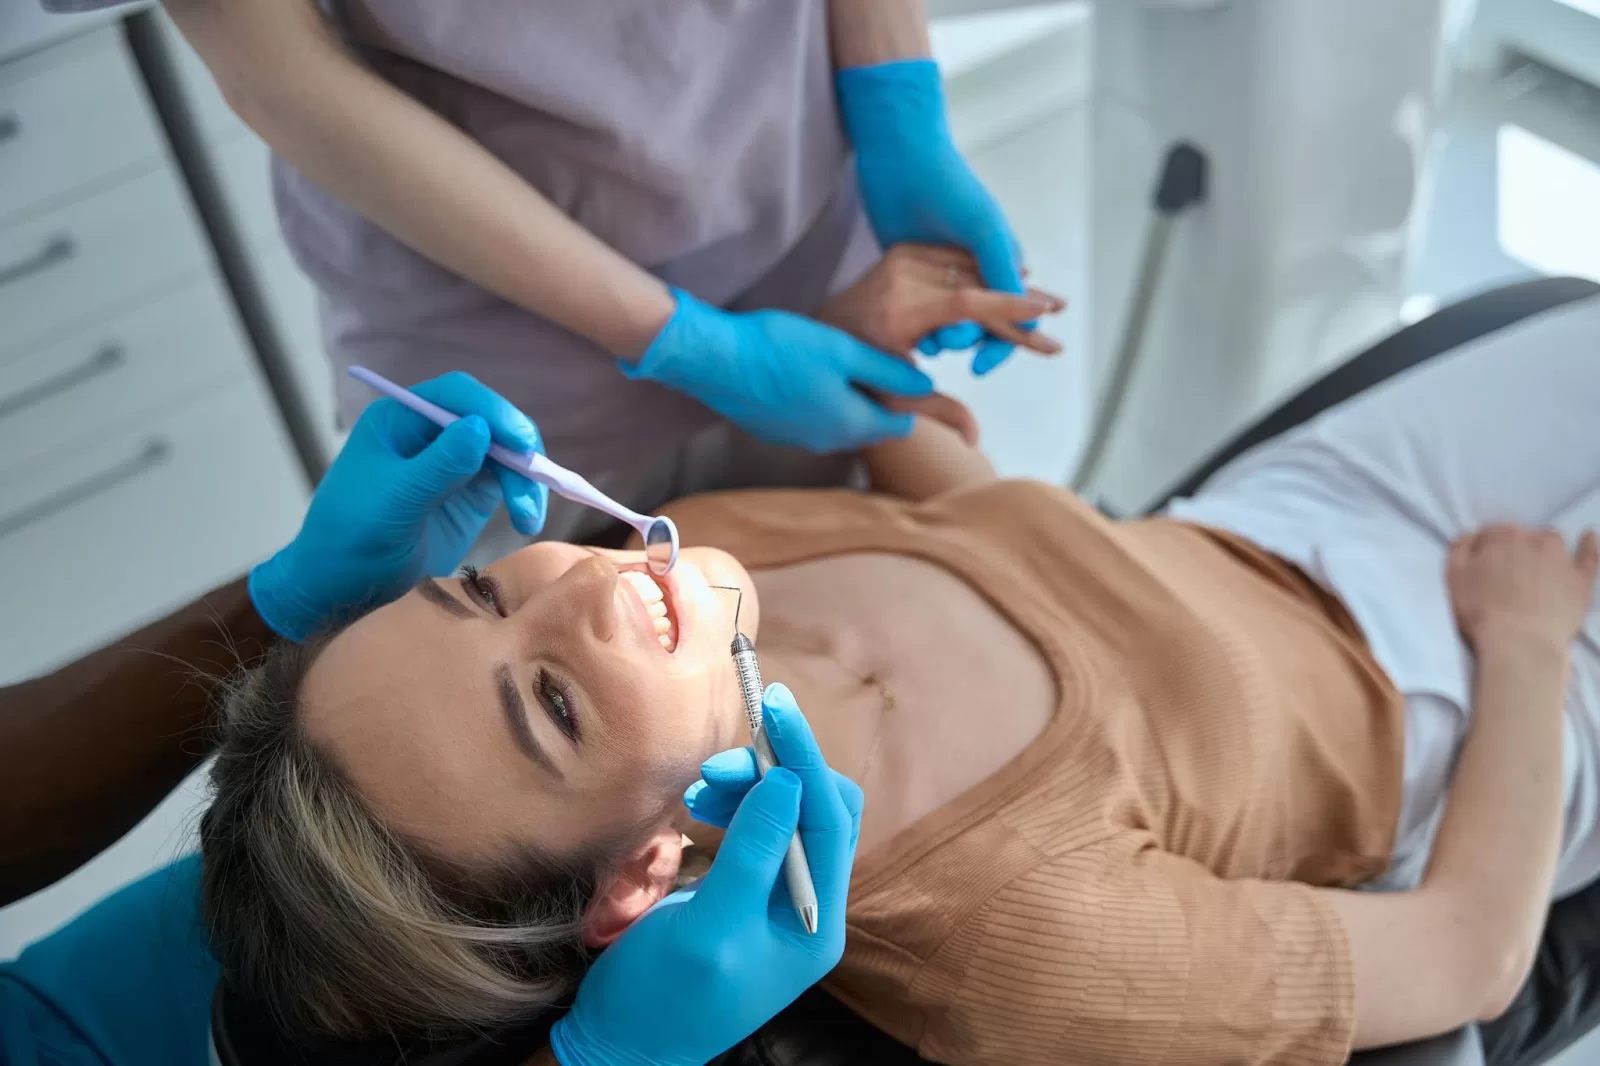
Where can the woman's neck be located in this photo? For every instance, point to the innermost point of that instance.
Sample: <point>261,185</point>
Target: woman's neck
<point>843,703</point>
<point>831,699</point>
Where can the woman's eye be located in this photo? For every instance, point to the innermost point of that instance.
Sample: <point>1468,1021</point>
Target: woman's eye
<point>482,588</point>
<point>557,705</point>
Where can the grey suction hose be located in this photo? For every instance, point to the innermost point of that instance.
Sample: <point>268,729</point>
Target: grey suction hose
<point>1184,177</point>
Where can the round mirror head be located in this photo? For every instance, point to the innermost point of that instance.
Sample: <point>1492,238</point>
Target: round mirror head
<point>661,545</point>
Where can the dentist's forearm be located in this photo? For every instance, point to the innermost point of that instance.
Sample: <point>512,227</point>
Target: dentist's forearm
<point>89,750</point>
<point>408,170</point>
<point>865,32</point>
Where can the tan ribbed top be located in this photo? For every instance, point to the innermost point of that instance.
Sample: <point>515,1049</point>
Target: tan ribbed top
<point>1133,887</point>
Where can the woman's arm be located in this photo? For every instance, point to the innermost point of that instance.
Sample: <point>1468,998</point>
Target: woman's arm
<point>289,77</point>
<point>1458,948</point>
<point>933,460</point>
<point>913,290</point>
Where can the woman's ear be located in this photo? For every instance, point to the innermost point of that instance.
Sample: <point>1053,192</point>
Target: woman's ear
<point>644,879</point>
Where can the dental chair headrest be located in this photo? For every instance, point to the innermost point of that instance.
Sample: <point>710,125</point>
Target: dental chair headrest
<point>242,1034</point>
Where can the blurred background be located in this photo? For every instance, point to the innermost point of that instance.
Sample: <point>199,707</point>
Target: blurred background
<point>1365,162</point>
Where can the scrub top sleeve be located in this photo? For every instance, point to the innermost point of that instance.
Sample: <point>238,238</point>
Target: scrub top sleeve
<point>32,1033</point>
<point>127,983</point>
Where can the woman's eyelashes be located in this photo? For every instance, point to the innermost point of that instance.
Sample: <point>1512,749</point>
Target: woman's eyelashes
<point>556,699</point>
<point>483,590</point>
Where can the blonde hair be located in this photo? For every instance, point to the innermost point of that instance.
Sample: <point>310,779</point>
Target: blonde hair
<point>343,929</point>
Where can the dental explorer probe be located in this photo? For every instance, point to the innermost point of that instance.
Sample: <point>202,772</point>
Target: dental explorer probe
<point>796,869</point>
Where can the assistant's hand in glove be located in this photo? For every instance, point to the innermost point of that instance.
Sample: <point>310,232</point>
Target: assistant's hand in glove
<point>781,377</point>
<point>917,187</point>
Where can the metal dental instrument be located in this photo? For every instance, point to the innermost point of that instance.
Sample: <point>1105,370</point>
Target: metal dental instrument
<point>796,869</point>
<point>659,533</point>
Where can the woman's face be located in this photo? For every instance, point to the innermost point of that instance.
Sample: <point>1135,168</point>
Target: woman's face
<point>562,696</point>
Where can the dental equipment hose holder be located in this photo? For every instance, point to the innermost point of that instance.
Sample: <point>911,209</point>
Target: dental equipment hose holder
<point>1184,179</point>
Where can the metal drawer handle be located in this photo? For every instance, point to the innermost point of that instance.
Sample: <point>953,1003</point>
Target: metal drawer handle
<point>155,452</point>
<point>107,359</point>
<point>56,250</point>
<point>10,126</point>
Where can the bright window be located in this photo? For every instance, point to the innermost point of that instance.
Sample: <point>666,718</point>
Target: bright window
<point>1591,7</point>
<point>1548,217</point>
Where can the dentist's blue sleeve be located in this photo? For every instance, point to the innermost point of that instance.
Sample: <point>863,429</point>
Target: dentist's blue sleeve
<point>127,983</point>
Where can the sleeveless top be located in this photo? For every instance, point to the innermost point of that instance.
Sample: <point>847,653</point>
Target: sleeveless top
<point>699,138</point>
<point>1135,885</point>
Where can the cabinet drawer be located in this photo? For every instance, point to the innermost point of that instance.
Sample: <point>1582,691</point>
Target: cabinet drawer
<point>93,256</point>
<point>97,541</point>
<point>119,372</point>
<point>72,116</point>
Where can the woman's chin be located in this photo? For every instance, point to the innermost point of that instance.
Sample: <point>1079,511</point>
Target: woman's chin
<point>729,594</point>
<point>718,566</point>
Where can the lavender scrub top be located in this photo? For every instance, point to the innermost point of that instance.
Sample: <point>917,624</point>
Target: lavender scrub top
<point>699,138</point>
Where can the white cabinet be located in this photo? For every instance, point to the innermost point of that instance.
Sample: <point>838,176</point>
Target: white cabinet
<point>110,374</point>
<point>102,537</point>
<point>72,117</point>
<point>239,164</point>
<point>97,256</point>
<point>143,459</point>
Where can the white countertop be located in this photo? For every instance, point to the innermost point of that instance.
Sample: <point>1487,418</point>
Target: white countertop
<point>25,26</point>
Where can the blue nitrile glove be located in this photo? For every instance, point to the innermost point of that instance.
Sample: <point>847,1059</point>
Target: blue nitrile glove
<point>917,187</point>
<point>781,377</point>
<point>403,500</point>
<point>705,969</point>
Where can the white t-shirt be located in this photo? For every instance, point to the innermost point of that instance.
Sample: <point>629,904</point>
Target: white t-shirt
<point>1301,503</point>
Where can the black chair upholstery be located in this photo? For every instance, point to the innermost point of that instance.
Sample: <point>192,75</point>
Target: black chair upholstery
<point>243,1034</point>
<point>1560,1003</point>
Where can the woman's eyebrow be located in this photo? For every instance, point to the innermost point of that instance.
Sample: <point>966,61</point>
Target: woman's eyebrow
<point>435,594</point>
<point>505,683</point>
<point>516,713</point>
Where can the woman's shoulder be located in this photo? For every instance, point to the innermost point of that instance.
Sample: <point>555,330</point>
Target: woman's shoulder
<point>774,527</point>
<point>755,524</point>
<point>740,506</point>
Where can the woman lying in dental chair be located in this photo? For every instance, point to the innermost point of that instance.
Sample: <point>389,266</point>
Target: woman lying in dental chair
<point>1129,784</point>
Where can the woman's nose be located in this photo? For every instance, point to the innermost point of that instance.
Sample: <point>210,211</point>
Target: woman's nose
<point>584,599</point>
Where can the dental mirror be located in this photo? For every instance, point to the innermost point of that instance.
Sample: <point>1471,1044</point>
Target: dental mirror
<point>660,545</point>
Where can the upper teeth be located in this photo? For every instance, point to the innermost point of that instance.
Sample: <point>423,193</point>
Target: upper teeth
<point>654,602</point>
<point>648,590</point>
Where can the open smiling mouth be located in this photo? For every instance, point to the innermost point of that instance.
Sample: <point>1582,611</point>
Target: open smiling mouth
<point>656,604</point>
